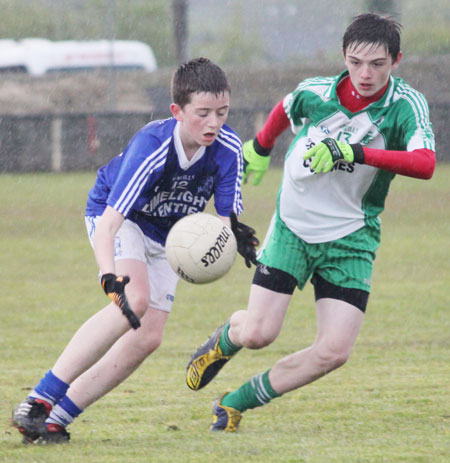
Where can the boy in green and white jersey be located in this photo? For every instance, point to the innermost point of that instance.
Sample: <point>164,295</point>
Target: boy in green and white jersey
<point>354,133</point>
<point>398,120</point>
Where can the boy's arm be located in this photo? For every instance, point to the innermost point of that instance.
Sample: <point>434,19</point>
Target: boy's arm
<point>418,163</point>
<point>103,240</point>
<point>277,122</point>
<point>256,152</point>
<point>113,285</point>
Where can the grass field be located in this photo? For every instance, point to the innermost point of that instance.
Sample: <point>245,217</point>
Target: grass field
<point>390,403</point>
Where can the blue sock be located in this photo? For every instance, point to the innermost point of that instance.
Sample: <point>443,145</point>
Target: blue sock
<point>50,388</point>
<point>64,412</point>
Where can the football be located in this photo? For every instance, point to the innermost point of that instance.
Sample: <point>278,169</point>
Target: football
<point>201,248</point>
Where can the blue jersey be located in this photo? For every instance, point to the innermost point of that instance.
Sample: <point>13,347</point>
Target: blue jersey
<point>149,185</point>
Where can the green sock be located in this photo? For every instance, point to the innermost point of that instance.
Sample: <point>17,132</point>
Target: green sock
<point>226,346</point>
<point>254,393</point>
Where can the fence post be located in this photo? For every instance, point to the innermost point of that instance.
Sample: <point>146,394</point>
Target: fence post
<point>260,118</point>
<point>56,131</point>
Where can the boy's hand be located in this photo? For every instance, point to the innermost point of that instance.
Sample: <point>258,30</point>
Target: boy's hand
<point>114,287</point>
<point>246,240</point>
<point>256,160</point>
<point>325,154</point>
<point>113,284</point>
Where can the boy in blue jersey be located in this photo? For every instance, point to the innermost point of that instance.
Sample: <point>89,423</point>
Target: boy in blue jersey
<point>354,133</point>
<point>170,168</point>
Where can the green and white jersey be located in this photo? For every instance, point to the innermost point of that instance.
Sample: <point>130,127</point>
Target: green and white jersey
<point>325,207</point>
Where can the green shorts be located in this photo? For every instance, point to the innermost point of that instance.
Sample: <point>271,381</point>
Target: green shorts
<point>346,262</point>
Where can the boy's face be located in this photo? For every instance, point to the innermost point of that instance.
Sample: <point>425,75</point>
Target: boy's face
<point>202,118</point>
<point>369,66</point>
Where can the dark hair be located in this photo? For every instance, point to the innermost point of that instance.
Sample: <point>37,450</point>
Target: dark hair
<point>370,28</point>
<point>196,76</point>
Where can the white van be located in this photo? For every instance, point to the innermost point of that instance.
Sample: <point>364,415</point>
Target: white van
<point>12,56</point>
<point>40,56</point>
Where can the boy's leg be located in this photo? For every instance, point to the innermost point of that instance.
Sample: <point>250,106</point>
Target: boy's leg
<point>338,326</point>
<point>253,328</point>
<point>120,361</point>
<point>96,336</point>
<point>261,323</point>
<point>89,344</point>
<point>282,267</point>
<point>115,366</point>
<point>125,355</point>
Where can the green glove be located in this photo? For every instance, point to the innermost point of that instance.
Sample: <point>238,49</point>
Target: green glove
<point>256,160</point>
<point>325,154</point>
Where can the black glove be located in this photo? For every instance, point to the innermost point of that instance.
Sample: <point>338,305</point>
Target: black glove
<point>246,240</point>
<point>114,287</point>
<point>113,284</point>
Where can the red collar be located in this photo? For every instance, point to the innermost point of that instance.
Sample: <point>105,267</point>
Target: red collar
<point>352,100</point>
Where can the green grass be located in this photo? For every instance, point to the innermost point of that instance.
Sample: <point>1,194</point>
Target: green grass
<point>390,403</point>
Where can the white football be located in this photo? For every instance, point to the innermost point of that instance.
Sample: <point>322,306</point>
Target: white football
<point>201,248</point>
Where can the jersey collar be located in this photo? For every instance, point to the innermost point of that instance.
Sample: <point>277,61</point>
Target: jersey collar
<point>184,162</point>
<point>384,101</point>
